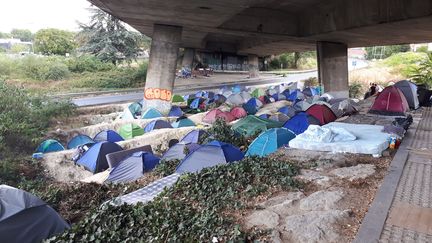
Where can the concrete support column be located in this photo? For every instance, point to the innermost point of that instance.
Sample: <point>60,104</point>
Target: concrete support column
<point>162,67</point>
<point>188,58</point>
<point>253,65</point>
<point>333,68</point>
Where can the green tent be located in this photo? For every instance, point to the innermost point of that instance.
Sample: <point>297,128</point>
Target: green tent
<point>252,125</point>
<point>177,98</point>
<point>258,93</point>
<point>130,131</point>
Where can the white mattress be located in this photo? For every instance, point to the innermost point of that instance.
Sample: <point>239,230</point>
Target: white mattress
<point>370,140</point>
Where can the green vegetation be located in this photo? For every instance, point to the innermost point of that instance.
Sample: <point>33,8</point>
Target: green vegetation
<point>405,62</point>
<point>294,60</point>
<point>25,117</point>
<point>221,131</point>
<point>423,73</point>
<point>22,34</point>
<point>382,52</point>
<point>54,42</point>
<point>355,90</point>
<point>199,207</point>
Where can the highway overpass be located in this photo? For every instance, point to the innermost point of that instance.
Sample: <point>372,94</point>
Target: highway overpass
<point>258,28</point>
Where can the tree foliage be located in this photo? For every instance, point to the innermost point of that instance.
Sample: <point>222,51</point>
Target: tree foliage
<point>423,74</point>
<point>22,34</point>
<point>384,51</point>
<point>54,42</point>
<point>107,38</point>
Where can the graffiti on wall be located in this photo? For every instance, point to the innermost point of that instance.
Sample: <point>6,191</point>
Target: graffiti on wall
<point>157,94</point>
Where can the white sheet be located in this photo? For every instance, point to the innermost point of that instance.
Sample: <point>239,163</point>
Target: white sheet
<point>329,134</point>
<point>370,140</point>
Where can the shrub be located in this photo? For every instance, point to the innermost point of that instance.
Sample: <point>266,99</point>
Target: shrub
<point>166,167</point>
<point>311,82</point>
<point>355,90</point>
<point>405,62</point>
<point>88,63</point>
<point>141,72</point>
<point>119,78</point>
<point>56,71</point>
<point>221,131</point>
<point>423,73</point>
<point>197,208</point>
<point>7,65</point>
<point>24,117</point>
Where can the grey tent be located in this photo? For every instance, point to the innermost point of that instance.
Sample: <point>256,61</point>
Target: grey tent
<point>180,151</point>
<point>409,90</point>
<point>26,218</point>
<point>344,108</point>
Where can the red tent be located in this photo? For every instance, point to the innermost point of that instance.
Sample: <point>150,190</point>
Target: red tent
<point>238,112</point>
<point>321,112</point>
<point>391,102</point>
<point>215,114</point>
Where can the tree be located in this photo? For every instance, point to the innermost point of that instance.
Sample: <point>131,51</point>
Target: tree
<point>54,42</point>
<point>386,51</point>
<point>22,34</point>
<point>107,38</point>
<point>4,35</point>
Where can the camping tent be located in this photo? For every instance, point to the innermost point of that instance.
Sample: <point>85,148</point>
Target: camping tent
<point>310,91</point>
<point>295,95</point>
<point>215,114</point>
<point>211,154</point>
<point>343,108</point>
<point>301,105</point>
<point>219,98</point>
<point>279,97</point>
<point>409,89</point>
<point>94,159</point>
<point>127,115</point>
<point>195,136</point>
<point>135,108</point>
<point>158,124</point>
<point>196,103</point>
<point>25,218</point>
<point>391,102</point>
<point>79,140</point>
<point>175,111</point>
<point>209,95</point>
<point>287,110</point>
<point>177,99</point>
<point>107,135</point>
<point>258,92</point>
<point>179,151</point>
<point>321,112</point>
<point>251,125</point>
<point>49,145</point>
<point>280,117</point>
<point>300,122</point>
<point>254,102</point>
<point>238,112</point>
<point>269,141</point>
<point>245,95</point>
<point>183,122</point>
<point>264,116</point>
<point>235,99</point>
<point>424,95</point>
<point>200,93</point>
<point>128,131</point>
<point>237,89</point>
<point>133,167</point>
<point>151,113</point>
<point>266,99</point>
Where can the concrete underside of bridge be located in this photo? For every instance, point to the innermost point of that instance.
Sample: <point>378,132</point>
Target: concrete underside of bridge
<point>266,27</point>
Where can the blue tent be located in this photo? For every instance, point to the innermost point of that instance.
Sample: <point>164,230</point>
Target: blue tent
<point>295,95</point>
<point>250,109</point>
<point>287,110</point>
<point>151,113</point>
<point>158,124</point>
<point>49,145</point>
<point>286,92</point>
<point>278,97</point>
<point>264,116</point>
<point>310,91</point>
<point>219,98</point>
<point>196,103</point>
<point>108,135</point>
<point>300,122</point>
<point>175,111</point>
<point>194,136</point>
<point>236,89</point>
<point>269,141</point>
<point>79,140</point>
<point>189,96</point>
<point>133,167</point>
<point>180,151</point>
<point>94,160</point>
<point>183,122</point>
<point>209,95</point>
<point>211,154</point>
<point>200,94</point>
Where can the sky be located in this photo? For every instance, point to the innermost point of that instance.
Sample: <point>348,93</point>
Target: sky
<point>39,14</point>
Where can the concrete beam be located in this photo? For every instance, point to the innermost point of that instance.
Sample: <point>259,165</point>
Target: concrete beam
<point>188,58</point>
<point>162,67</point>
<point>333,68</point>
<point>253,65</point>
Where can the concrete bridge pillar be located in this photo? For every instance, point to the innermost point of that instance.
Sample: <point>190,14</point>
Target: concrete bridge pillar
<point>162,67</point>
<point>253,65</point>
<point>333,68</point>
<point>188,58</point>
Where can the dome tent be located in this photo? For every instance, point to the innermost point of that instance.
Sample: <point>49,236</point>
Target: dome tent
<point>195,136</point>
<point>158,124</point>
<point>344,108</point>
<point>183,122</point>
<point>94,159</point>
<point>391,102</point>
<point>258,92</point>
<point>300,122</point>
<point>251,125</point>
<point>269,141</point>
<point>175,111</point>
<point>128,131</point>
<point>135,108</point>
<point>180,151</point>
<point>280,117</point>
<point>151,113</point>
<point>209,155</point>
<point>26,218</point>
<point>287,110</point>
<point>235,99</point>
<point>238,112</point>
<point>108,135</point>
<point>409,89</point>
<point>321,112</point>
<point>295,95</point>
<point>79,140</point>
<point>177,99</point>
<point>195,104</point>
<point>133,167</point>
<point>49,145</point>
<point>215,114</point>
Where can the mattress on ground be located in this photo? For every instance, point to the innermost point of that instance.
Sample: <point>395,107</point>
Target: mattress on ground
<point>369,140</point>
